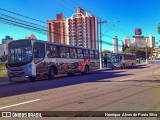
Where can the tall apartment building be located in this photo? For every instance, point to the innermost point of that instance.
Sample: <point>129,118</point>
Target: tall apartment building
<point>56,30</point>
<point>139,41</point>
<point>82,30</point>
<point>150,41</point>
<point>115,44</point>
<point>32,36</point>
<point>7,39</point>
<point>127,41</point>
<point>4,45</point>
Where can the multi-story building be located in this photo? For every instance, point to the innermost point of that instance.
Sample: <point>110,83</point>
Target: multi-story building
<point>78,30</point>
<point>82,30</point>
<point>150,41</point>
<point>3,49</point>
<point>115,44</point>
<point>127,41</point>
<point>140,41</point>
<point>32,36</point>
<point>7,39</point>
<point>56,30</point>
<point>4,45</point>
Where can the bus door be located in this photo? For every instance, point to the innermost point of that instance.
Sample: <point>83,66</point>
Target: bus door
<point>39,55</point>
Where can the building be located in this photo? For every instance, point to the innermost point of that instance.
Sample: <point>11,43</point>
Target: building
<point>115,44</point>
<point>4,45</point>
<point>150,41</point>
<point>127,41</point>
<point>140,41</point>
<point>7,39</point>
<point>82,30</point>
<point>56,30</point>
<point>3,49</point>
<point>31,37</point>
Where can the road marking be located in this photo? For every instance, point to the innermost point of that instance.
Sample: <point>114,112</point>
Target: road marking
<point>127,79</point>
<point>19,104</point>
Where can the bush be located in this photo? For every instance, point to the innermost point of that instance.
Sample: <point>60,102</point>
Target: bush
<point>3,70</point>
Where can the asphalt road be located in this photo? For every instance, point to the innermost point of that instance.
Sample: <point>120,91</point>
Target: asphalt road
<point>136,89</point>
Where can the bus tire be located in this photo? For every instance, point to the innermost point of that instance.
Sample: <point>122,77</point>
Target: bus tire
<point>31,78</point>
<point>112,68</point>
<point>86,70</point>
<point>51,73</point>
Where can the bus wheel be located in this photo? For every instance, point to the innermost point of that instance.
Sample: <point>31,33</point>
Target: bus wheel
<point>51,73</point>
<point>31,78</point>
<point>112,68</point>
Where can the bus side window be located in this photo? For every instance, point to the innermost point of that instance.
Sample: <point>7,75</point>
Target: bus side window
<point>86,54</point>
<point>73,53</point>
<point>96,55</point>
<point>64,52</point>
<point>52,51</point>
<point>91,54</point>
<point>80,53</point>
<point>39,52</point>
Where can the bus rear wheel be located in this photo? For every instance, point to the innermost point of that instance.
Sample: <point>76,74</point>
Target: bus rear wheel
<point>51,73</point>
<point>31,78</point>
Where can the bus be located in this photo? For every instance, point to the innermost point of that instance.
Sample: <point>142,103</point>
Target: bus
<point>39,59</point>
<point>120,60</point>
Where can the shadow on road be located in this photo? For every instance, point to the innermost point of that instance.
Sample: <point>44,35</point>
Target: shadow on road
<point>23,87</point>
<point>140,67</point>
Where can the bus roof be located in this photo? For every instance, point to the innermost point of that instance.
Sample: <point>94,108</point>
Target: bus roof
<point>54,43</point>
<point>121,53</point>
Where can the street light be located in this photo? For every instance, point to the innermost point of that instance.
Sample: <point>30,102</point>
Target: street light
<point>101,35</point>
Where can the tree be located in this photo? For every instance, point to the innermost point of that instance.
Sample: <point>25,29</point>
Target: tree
<point>139,51</point>
<point>105,52</point>
<point>3,58</point>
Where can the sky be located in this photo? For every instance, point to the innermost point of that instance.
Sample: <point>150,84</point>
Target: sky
<point>132,14</point>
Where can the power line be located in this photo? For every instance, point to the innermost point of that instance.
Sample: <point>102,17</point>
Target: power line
<point>21,15</point>
<point>63,6</point>
<point>68,3</point>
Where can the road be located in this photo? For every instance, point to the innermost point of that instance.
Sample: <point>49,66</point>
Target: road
<point>135,89</point>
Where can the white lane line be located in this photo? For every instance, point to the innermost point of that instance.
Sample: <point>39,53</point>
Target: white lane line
<point>19,104</point>
<point>127,79</point>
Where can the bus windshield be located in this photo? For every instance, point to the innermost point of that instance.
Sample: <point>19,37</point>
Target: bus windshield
<point>115,58</point>
<point>20,51</point>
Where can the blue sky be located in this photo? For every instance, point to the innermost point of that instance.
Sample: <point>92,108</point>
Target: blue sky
<point>143,14</point>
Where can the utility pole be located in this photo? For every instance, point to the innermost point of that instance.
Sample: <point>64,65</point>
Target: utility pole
<point>146,55</point>
<point>101,35</point>
<point>100,51</point>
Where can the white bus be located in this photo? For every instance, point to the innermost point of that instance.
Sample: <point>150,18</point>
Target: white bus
<point>39,59</point>
<point>120,60</point>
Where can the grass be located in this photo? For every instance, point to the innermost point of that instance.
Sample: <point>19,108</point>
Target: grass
<point>3,70</point>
